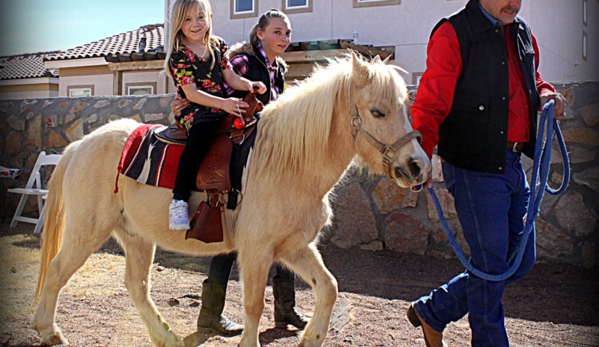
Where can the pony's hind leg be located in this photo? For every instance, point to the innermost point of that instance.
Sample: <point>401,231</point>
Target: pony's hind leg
<point>75,251</point>
<point>139,255</point>
<point>308,264</point>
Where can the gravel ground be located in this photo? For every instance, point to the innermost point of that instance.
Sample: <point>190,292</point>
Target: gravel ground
<point>555,305</point>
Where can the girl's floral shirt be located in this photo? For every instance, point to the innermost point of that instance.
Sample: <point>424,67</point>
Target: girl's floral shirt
<point>188,68</point>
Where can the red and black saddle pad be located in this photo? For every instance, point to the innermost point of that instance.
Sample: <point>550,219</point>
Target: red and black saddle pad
<point>151,161</point>
<point>148,160</point>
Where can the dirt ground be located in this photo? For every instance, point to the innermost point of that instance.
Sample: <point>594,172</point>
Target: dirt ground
<point>555,305</point>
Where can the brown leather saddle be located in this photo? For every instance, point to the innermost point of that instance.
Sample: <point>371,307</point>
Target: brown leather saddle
<point>213,175</point>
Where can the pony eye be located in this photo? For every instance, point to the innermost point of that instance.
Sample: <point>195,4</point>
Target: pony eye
<point>377,114</point>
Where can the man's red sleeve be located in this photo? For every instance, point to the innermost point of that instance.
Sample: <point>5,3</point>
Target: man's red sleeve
<point>437,85</point>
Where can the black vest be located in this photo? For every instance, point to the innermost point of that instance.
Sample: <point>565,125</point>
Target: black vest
<point>474,134</point>
<point>257,71</point>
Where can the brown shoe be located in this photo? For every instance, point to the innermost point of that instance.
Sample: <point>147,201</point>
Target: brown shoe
<point>432,337</point>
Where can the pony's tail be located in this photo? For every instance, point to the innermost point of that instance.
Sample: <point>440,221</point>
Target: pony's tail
<point>53,230</point>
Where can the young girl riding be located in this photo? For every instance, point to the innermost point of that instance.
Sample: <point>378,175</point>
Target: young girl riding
<point>197,63</point>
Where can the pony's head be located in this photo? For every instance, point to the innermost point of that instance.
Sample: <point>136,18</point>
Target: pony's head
<point>382,134</point>
<point>350,107</point>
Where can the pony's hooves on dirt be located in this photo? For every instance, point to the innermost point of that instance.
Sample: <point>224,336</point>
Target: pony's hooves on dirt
<point>172,341</point>
<point>55,339</point>
<point>309,343</point>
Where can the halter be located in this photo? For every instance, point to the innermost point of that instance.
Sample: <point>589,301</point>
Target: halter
<point>389,152</point>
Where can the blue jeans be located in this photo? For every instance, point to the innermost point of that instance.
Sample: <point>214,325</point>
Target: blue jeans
<point>491,210</point>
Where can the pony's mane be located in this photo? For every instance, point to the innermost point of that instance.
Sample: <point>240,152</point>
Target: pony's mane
<point>295,128</point>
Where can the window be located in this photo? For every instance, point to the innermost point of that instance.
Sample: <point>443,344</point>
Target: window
<point>296,6</point>
<point>370,3</point>
<point>585,20</point>
<point>144,88</point>
<point>584,46</point>
<point>243,9</point>
<point>80,91</point>
<point>416,76</point>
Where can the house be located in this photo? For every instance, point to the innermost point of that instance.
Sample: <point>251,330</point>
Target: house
<point>566,30</point>
<point>129,63</point>
<point>25,76</point>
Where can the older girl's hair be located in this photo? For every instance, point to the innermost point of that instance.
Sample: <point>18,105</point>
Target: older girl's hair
<point>180,10</point>
<point>263,23</point>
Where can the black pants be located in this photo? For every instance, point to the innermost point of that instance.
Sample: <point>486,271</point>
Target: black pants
<point>220,269</point>
<point>198,142</point>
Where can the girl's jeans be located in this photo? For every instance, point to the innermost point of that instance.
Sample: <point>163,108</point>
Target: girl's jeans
<point>491,209</point>
<point>199,139</point>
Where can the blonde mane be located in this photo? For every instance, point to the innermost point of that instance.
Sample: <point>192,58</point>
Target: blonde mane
<point>298,123</point>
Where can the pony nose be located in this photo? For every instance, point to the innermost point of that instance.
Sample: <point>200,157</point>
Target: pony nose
<point>415,167</point>
<point>411,172</point>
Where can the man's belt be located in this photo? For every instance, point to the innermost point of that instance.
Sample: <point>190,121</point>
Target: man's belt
<point>515,146</point>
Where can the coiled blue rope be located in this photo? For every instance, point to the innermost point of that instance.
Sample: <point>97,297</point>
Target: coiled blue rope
<point>542,160</point>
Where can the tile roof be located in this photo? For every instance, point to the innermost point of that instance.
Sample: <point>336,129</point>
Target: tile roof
<point>125,43</point>
<point>25,66</point>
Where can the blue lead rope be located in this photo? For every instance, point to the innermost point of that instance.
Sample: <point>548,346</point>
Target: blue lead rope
<point>542,160</point>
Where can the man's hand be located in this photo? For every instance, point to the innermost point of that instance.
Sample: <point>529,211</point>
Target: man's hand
<point>559,109</point>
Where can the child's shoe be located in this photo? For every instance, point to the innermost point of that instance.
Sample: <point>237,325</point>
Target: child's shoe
<point>178,215</point>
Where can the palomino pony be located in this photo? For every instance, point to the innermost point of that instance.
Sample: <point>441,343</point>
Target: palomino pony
<point>306,140</point>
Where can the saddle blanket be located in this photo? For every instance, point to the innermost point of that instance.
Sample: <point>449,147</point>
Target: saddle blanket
<point>153,162</point>
<point>148,160</point>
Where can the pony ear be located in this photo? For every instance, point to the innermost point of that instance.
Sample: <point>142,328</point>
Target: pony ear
<point>387,60</point>
<point>359,70</point>
<point>377,59</point>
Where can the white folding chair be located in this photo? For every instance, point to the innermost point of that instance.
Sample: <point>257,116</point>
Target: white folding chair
<point>34,187</point>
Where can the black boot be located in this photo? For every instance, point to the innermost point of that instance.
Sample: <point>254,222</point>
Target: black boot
<point>211,319</point>
<point>285,312</point>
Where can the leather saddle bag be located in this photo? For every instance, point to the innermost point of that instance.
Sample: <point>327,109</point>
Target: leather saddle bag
<point>206,223</point>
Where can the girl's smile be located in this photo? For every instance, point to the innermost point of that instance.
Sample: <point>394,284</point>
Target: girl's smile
<point>195,27</point>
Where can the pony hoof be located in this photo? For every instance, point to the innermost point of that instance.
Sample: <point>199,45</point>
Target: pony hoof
<point>173,341</point>
<point>54,339</point>
<point>178,344</point>
<point>51,336</point>
<point>309,343</point>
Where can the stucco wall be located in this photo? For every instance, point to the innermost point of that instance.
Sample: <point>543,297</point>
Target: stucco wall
<point>46,87</point>
<point>370,213</point>
<point>16,92</point>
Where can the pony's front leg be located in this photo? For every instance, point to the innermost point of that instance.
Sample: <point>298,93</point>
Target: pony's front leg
<point>254,274</point>
<point>139,255</point>
<point>308,264</point>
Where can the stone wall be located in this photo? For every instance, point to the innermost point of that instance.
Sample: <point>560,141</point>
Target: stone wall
<point>370,212</point>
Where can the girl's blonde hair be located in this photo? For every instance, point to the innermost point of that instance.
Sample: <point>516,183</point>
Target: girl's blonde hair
<point>263,23</point>
<point>180,10</point>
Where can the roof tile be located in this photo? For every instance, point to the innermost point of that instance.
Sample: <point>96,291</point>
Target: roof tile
<point>124,43</point>
<point>25,66</point>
